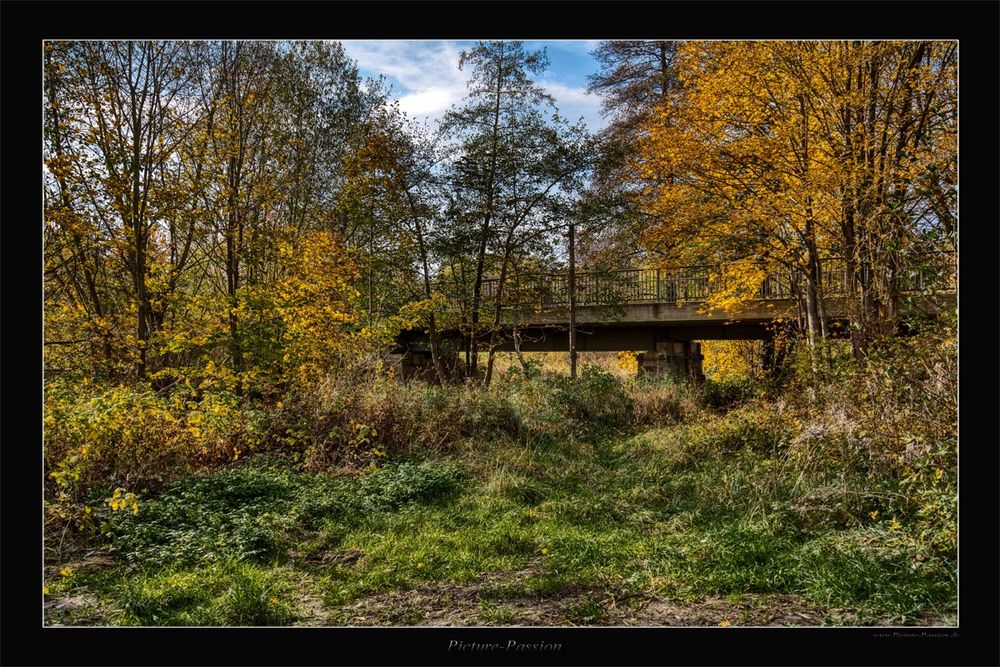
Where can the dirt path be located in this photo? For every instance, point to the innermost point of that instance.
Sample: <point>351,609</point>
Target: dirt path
<point>449,605</point>
<point>484,603</point>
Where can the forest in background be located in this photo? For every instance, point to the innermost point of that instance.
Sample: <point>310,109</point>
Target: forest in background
<point>235,233</point>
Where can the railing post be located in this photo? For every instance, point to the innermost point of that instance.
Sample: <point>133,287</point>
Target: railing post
<point>658,286</point>
<point>572,300</point>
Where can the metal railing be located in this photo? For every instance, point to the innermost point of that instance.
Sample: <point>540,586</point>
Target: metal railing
<point>689,284</point>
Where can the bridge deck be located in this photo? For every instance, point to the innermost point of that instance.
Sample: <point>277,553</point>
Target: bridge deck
<point>632,309</point>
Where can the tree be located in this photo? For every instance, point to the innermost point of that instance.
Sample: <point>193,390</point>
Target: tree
<point>175,173</point>
<point>892,112</point>
<point>511,172</point>
<point>247,157</point>
<point>758,162</point>
<point>392,185</point>
<point>374,205</point>
<point>116,120</point>
<point>326,107</point>
<point>279,120</point>
<point>77,303</point>
<point>316,303</point>
<point>635,77</point>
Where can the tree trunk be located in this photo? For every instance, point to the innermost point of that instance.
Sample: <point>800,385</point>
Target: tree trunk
<point>485,229</point>
<point>497,306</point>
<point>767,356</point>
<point>813,321</point>
<point>138,239</point>
<point>432,331</point>
<point>233,273</point>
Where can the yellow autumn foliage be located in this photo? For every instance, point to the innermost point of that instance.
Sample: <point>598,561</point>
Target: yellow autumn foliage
<point>316,303</point>
<point>762,159</point>
<point>730,359</point>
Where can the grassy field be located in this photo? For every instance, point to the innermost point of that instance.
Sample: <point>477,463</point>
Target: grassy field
<point>714,517</point>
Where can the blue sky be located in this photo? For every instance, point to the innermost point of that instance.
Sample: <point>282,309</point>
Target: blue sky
<point>425,78</point>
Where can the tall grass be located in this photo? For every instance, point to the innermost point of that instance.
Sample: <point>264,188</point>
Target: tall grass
<point>846,495</point>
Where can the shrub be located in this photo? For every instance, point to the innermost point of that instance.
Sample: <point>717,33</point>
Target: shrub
<point>752,428</point>
<point>899,425</point>
<point>99,439</point>
<point>434,417</point>
<point>118,437</point>
<point>658,401</point>
<point>829,439</point>
<point>729,392</point>
<point>358,424</point>
<point>558,406</point>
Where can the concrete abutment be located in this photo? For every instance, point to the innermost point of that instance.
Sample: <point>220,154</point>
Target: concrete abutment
<point>679,358</point>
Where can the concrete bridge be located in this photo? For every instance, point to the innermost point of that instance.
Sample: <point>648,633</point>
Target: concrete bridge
<point>662,314</point>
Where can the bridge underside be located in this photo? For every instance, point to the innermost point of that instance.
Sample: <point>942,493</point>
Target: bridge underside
<point>628,337</point>
<point>601,337</point>
<point>655,328</point>
<point>612,337</point>
<point>639,327</point>
<point>635,327</point>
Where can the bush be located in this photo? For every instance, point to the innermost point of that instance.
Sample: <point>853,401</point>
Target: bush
<point>98,439</point>
<point>829,439</point>
<point>553,406</point>
<point>729,392</point>
<point>659,401</point>
<point>754,428</point>
<point>355,425</point>
<point>897,423</point>
<point>120,436</point>
<point>878,447</point>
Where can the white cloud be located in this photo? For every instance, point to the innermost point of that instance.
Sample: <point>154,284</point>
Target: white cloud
<point>424,74</point>
<point>575,102</point>
<point>427,103</point>
<point>425,78</point>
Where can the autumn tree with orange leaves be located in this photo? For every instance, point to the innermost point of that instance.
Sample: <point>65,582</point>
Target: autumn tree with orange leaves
<point>777,157</point>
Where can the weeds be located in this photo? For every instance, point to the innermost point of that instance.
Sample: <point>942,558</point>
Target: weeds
<point>542,488</point>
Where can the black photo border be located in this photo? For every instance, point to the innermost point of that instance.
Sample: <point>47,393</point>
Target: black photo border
<point>25,25</point>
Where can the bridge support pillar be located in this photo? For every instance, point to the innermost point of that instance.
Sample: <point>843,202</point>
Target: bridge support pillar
<point>417,364</point>
<point>767,354</point>
<point>680,358</point>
